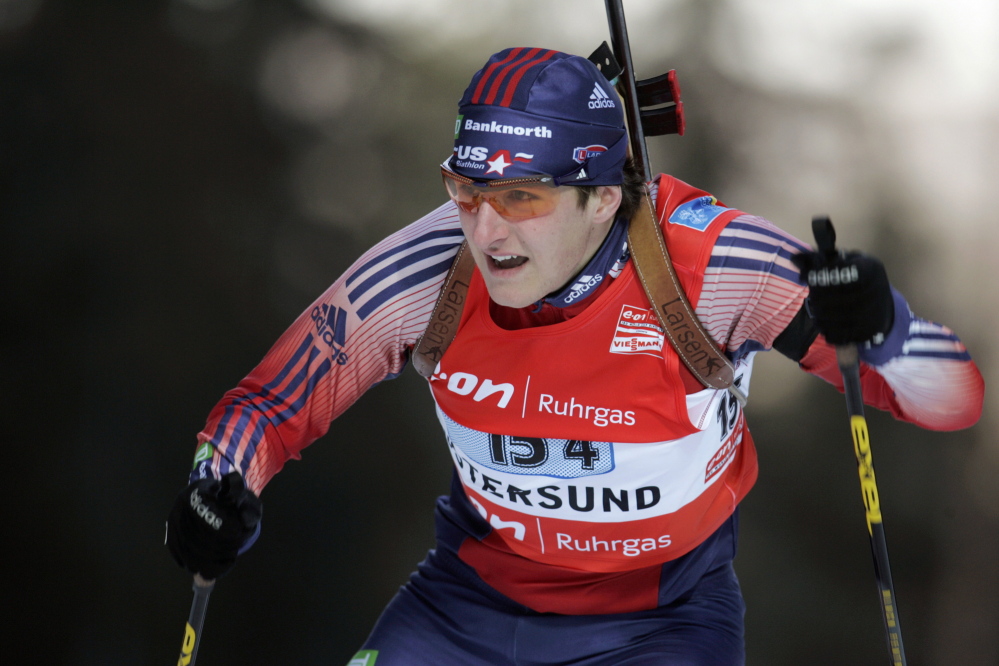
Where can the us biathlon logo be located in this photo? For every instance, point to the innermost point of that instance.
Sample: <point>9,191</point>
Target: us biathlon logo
<point>599,99</point>
<point>476,157</point>
<point>580,155</point>
<point>500,160</point>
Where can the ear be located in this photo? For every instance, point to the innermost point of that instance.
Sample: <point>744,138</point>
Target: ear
<point>608,201</point>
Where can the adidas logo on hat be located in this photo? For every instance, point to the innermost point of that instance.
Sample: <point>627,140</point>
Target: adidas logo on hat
<point>599,99</point>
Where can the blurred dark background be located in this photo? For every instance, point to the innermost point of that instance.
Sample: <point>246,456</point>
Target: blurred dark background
<point>180,178</point>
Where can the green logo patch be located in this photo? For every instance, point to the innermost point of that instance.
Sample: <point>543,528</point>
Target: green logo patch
<point>457,124</point>
<point>364,658</point>
<point>204,452</point>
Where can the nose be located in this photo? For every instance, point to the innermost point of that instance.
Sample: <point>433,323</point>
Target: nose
<point>489,229</point>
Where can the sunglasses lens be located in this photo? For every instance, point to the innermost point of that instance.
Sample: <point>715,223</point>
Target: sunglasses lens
<point>467,197</point>
<point>518,201</point>
<point>525,201</point>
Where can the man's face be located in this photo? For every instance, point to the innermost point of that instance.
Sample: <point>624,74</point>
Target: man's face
<point>523,261</point>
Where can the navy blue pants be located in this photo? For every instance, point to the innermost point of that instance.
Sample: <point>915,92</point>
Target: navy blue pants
<point>446,616</point>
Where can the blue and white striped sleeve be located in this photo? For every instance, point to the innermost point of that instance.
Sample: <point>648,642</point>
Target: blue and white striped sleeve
<point>355,335</point>
<point>751,290</point>
<point>921,373</point>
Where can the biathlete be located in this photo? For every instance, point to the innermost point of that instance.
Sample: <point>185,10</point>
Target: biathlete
<point>593,513</point>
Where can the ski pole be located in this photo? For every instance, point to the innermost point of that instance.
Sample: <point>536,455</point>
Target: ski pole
<point>192,632</point>
<point>849,365</point>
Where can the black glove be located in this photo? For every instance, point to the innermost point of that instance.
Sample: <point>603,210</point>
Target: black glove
<point>849,297</point>
<point>211,523</point>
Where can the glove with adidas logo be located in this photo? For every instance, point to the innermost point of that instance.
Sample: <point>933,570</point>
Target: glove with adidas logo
<point>850,299</point>
<point>213,521</point>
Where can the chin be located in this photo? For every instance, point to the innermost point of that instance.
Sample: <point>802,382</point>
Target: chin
<point>512,303</point>
<point>512,298</point>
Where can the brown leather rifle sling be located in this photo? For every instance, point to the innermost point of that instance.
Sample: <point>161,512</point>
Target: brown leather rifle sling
<point>655,271</point>
<point>685,332</point>
<point>444,320</point>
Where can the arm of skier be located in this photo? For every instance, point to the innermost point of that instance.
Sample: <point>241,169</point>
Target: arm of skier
<point>914,368</point>
<point>754,298</point>
<point>358,333</point>
<point>355,335</point>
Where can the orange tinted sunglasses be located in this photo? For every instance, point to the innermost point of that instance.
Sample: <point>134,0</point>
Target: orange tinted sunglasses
<point>513,198</point>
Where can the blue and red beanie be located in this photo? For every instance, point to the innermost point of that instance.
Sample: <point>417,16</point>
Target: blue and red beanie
<point>533,111</point>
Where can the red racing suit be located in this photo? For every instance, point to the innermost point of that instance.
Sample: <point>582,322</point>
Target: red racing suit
<point>588,462</point>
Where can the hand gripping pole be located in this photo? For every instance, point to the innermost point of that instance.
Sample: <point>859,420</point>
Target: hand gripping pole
<point>849,365</point>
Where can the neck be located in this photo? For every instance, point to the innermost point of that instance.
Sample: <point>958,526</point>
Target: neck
<point>606,262</point>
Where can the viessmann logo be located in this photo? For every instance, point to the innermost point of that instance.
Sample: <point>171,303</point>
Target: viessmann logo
<point>637,332</point>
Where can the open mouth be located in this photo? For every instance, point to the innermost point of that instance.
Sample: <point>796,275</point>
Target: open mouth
<point>507,261</point>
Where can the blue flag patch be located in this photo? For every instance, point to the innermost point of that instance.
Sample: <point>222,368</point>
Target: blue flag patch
<point>697,213</point>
